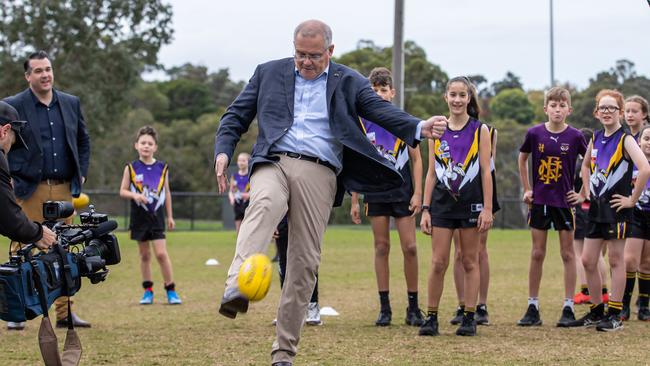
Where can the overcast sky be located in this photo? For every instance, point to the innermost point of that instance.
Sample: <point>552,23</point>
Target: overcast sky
<point>464,37</point>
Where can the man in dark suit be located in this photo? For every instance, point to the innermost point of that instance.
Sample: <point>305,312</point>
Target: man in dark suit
<point>55,165</point>
<point>309,150</point>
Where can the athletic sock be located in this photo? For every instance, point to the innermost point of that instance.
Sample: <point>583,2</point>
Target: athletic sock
<point>170,287</point>
<point>569,303</point>
<point>614,307</point>
<point>413,300</point>
<point>384,301</point>
<point>469,312</point>
<point>630,278</point>
<point>534,301</point>
<point>644,289</point>
<point>432,311</point>
<point>147,285</point>
<point>584,289</point>
<point>598,309</point>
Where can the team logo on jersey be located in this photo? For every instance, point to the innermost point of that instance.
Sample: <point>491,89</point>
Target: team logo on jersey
<point>443,150</point>
<point>550,170</point>
<point>139,178</point>
<point>564,147</point>
<point>554,138</point>
<point>540,147</point>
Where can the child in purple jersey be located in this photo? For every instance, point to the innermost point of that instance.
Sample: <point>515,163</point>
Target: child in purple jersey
<point>612,152</point>
<point>239,192</point>
<point>402,203</point>
<point>457,196</point>
<point>637,246</point>
<point>555,147</point>
<point>146,183</point>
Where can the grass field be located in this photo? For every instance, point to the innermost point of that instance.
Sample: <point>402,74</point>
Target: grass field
<point>125,333</point>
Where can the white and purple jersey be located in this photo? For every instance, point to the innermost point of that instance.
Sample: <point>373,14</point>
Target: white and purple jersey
<point>242,185</point>
<point>611,173</point>
<point>553,157</point>
<point>458,193</point>
<point>149,180</point>
<point>395,151</point>
<point>643,203</point>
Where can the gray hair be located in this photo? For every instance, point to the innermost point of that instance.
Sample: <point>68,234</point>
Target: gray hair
<point>313,28</point>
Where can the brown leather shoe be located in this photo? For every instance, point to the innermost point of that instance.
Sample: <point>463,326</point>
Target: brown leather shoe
<point>76,321</point>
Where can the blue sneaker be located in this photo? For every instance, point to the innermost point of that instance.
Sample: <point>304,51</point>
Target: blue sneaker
<point>147,298</point>
<point>173,298</point>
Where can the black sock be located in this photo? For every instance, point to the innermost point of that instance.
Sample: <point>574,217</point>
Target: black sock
<point>431,311</point>
<point>469,313</point>
<point>597,309</point>
<point>614,307</point>
<point>170,287</point>
<point>630,278</point>
<point>147,285</point>
<point>584,289</point>
<point>644,289</point>
<point>413,300</point>
<point>384,300</point>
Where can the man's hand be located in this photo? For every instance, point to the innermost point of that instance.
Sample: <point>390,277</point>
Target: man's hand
<point>220,170</point>
<point>434,127</point>
<point>528,197</point>
<point>49,237</point>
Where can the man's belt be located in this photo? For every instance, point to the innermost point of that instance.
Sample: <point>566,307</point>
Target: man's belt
<point>54,182</point>
<point>294,155</point>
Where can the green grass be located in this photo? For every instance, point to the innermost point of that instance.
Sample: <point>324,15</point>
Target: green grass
<point>125,333</point>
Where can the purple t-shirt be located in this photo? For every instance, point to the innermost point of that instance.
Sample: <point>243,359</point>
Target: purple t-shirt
<point>554,158</point>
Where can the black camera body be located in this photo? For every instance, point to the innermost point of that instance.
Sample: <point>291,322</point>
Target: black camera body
<point>29,283</point>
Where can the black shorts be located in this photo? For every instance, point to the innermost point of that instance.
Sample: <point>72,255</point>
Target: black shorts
<point>454,223</point>
<point>582,218</point>
<point>607,231</point>
<point>639,226</point>
<point>146,235</point>
<point>393,209</point>
<point>543,217</point>
<point>240,209</point>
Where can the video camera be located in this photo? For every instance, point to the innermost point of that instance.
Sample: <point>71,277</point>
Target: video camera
<point>29,283</point>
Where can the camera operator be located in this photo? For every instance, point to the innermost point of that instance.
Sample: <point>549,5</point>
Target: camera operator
<point>14,224</point>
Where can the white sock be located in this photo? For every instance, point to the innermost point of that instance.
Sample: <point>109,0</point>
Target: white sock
<point>534,301</point>
<point>569,303</point>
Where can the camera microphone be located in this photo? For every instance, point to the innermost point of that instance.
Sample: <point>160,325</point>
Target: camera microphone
<point>102,229</point>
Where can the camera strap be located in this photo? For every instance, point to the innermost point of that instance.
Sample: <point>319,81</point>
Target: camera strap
<point>68,282</point>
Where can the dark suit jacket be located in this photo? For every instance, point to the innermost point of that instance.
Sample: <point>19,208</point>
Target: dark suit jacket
<point>269,95</point>
<point>14,224</point>
<point>26,165</point>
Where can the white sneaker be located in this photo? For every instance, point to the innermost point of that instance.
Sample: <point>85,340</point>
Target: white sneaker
<point>15,325</point>
<point>313,314</point>
<point>275,321</point>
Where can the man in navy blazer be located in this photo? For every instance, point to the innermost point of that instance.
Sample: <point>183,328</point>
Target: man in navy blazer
<point>55,164</point>
<point>309,150</point>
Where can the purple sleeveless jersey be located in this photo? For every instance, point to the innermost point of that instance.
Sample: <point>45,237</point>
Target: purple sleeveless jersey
<point>554,157</point>
<point>150,181</point>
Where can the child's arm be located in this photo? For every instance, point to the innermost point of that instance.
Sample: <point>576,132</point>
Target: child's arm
<point>493,148</point>
<point>125,192</point>
<point>485,218</point>
<point>429,183</point>
<point>523,177</point>
<point>620,202</point>
<point>168,204</point>
<point>355,210</point>
<point>415,204</point>
<point>231,195</point>
<point>585,172</point>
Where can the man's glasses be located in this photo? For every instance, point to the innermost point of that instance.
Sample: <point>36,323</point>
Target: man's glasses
<point>608,109</point>
<point>299,56</point>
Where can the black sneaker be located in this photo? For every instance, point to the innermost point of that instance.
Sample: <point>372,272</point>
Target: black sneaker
<point>384,318</point>
<point>588,320</point>
<point>531,318</point>
<point>610,323</point>
<point>430,326</point>
<point>414,317</point>
<point>567,318</point>
<point>644,314</point>
<point>625,313</point>
<point>482,315</point>
<point>458,317</point>
<point>467,327</point>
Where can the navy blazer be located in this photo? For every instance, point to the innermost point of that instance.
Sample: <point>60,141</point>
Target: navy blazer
<point>26,165</point>
<point>269,96</point>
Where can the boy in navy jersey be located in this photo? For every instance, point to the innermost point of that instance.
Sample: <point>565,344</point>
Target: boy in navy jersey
<point>403,203</point>
<point>555,147</point>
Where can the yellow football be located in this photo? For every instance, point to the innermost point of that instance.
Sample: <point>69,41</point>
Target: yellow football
<point>255,277</point>
<point>81,202</point>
